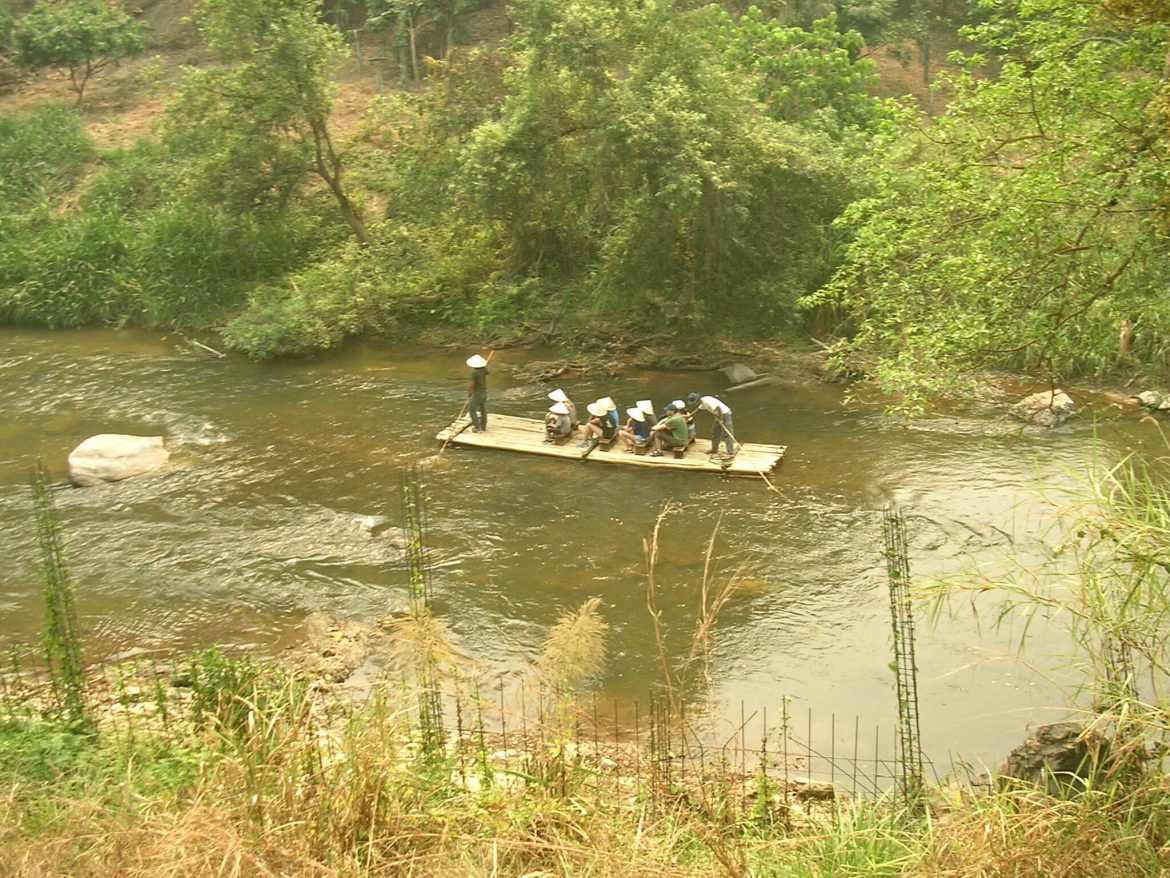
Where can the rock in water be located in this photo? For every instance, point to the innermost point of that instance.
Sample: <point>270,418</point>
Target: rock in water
<point>1046,409</point>
<point>737,373</point>
<point>1150,399</point>
<point>110,457</point>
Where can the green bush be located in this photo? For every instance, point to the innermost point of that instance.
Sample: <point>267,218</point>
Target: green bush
<point>42,153</point>
<point>36,751</point>
<point>70,270</point>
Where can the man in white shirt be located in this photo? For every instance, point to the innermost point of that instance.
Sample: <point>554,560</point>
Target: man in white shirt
<point>722,428</point>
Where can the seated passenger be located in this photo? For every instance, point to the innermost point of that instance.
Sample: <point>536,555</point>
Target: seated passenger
<point>681,408</point>
<point>556,423</point>
<point>636,431</point>
<point>558,395</point>
<point>599,426</point>
<point>671,431</point>
<point>611,410</point>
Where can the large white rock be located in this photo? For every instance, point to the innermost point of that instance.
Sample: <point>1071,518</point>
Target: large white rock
<point>110,457</point>
<point>1046,409</point>
<point>738,373</point>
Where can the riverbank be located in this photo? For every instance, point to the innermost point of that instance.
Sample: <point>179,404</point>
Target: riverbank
<point>229,768</point>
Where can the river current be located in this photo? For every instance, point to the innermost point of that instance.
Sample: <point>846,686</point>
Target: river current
<point>278,471</point>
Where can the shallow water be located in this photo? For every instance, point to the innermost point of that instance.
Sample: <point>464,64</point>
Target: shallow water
<point>262,517</point>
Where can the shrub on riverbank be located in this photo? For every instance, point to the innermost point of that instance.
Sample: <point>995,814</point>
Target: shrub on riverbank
<point>118,239</point>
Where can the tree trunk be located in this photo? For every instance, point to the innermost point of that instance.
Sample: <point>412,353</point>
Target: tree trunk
<point>329,167</point>
<point>410,29</point>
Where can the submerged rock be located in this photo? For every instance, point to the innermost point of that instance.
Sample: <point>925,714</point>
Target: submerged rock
<point>1048,408</point>
<point>111,457</point>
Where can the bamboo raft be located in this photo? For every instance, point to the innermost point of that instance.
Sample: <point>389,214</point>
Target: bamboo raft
<point>527,436</point>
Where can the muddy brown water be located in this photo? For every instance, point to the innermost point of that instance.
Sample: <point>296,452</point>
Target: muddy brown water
<point>263,517</point>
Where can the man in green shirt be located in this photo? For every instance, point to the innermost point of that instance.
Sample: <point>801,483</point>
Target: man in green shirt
<point>670,432</point>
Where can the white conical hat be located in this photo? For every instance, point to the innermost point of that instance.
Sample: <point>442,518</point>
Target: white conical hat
<point>559,408</point>
<point>597,409</point>
<point>637,414</point>
<point>610,405</point>
<point>558,395</point>
<point>475,361</point>
<point>646,405</point>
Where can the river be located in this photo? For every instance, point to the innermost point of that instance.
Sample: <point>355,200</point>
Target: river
<point>262,517</point>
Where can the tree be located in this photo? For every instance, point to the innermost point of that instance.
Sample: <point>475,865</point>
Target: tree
<point>414,18</point>
<point>629,153</point>
<point>259,119</point>
<point>809,76</point>
<point>84,37</point>
<point>1023,229</point>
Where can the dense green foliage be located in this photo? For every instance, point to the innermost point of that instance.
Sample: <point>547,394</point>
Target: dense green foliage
<point>6,24</point>
<point>132,251</point>
<point>620,161</point>
<point>648,165</point>
<point>83,37</point>
<point>257,122</point>
<point>1025,228</point>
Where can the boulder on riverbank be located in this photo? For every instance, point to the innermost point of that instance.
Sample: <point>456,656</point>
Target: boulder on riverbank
<point>1152,400</point>
<point>347,656</point>
<point>1048,408</point>
<point>1061,758</point>
<point>111,457</point>
<point>738,373</point>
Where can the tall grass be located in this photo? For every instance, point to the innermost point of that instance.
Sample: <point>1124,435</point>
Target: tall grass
<point>61,636</point>
<point>43,154</point>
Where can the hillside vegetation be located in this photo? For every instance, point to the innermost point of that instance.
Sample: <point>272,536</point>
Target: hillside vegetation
<point>565,171</point>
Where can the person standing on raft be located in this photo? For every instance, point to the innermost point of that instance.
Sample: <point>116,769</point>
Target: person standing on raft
<point>477,393</point>
<point>721,429</point>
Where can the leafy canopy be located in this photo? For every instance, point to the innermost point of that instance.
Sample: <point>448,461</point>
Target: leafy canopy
<point>257,123</point>
<point>83,37</point>
<point>630,150</point>
<point>1023,229</point>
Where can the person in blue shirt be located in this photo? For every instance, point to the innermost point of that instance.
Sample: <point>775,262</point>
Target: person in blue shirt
<point>636,431</point>
<point>611,410</point>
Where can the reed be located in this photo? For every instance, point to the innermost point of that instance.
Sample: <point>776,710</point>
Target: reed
<point>61,637</point>
<point>575,649</point>
<point>713,597</point>
<point>1025,834</point>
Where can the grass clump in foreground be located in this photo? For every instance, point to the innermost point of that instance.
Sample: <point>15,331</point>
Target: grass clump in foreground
<point>276,779</point>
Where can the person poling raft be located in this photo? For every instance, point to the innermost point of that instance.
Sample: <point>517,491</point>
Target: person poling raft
<point>477,392</point>
<point>722,425</point>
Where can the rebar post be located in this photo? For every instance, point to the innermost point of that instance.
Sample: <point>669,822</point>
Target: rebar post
<point>909,752</point>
